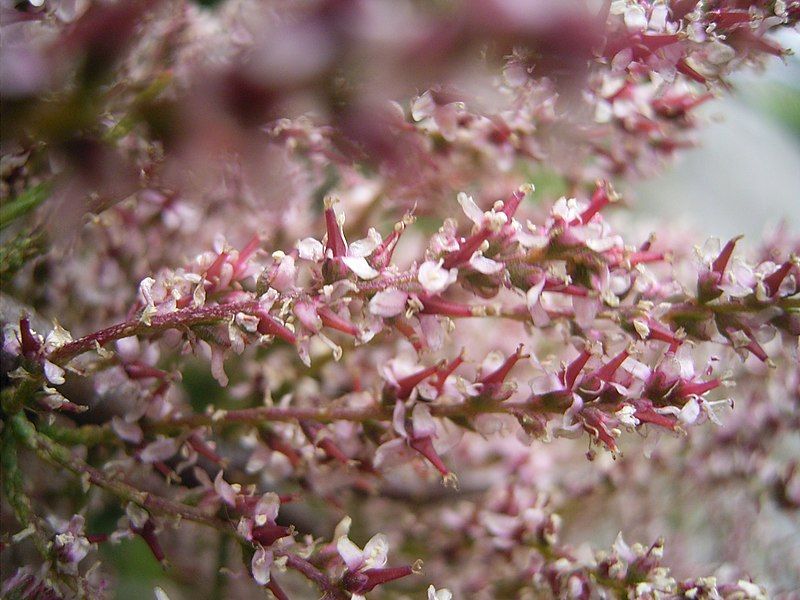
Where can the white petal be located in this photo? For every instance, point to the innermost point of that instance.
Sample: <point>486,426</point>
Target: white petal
<point>146,291</point>
<point>130,432</point>
<point>360,267</point>
<point>286,274</point>
<point>750,588</point>
<point>267,508</point>
<point>392,454</point>
<point>585,309</point>
<point>637,369</point>
<point>399,418</point>
<point>310,249</point>
<point>422,421</point>
<point>442,594</point>
<point>534,293</point>
<point>366,246</point>
<point>528,237</point>
<point>136,515</point>
<point>342,528</point>
<point>54,373</point>
<point>161,449</point>
<point>533,298</point>
<point>658,17</point>
<point>623,550</point>
<point>160,594</point>
<point>57,338</point>
<point>567,209</point>
<point>423,106</point>
<point>469,207</point>
<point>224,490</point>
<point>635,18</point>
<point>218,367</point>
<point>499,525</point>
<point>604,244</point>
<point>388,303</point>
<point>433,330</point>
<point>261,563</point>
<point>690,412</point>
<point>434,278</point>
<point>350,553</point>
<point>484,265</point>
<point>376,551</point>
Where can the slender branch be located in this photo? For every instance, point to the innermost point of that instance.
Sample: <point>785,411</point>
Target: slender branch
<point>328,414</point>
<point>184,317</point>
<point>60,456</point>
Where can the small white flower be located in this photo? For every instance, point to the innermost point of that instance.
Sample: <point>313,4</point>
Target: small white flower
<point>527,236</point>
<point>423,424</point>
<point>623,550</point>
<point>267,508</point>
<point>366,246</point>
<point>160,449</point>
<point>360,266</point>
<point>286,273</point>
<point>260,565</point>
<point>310,249</point>
<point>160,594</point>
<point>484,265</point>
<point>567,209</point>
<point>373,556</point>
<point>442,594</point>
<point>635,18</point>
<point>434,278</point>
<point>423,106</point>
<point>642,328</point>
<point>626,415</point>
<point>658,17</point>
<point>751,589</point>
<point>388,303</point>
<point>533,300</point>
<point>224,490</point>
<point>218,366</point>
<point>130,432</point>
<point>470,209</point>
<point>57,338</point>
<point>690,412</point>
<point>53,372</point>
<point>637,368</point>
<point>146,291</point>
<point>199,295</point>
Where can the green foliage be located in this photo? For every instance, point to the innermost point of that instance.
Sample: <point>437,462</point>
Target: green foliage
<point>18,251</point>
<point>23,204</point>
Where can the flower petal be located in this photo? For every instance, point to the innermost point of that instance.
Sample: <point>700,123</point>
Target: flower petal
<point>260,565</point>
<point>360,266</point>
<point>388,303</point>
<point>350,553</point>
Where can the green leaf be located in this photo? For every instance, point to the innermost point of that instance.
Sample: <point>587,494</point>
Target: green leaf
<point>18,251</point>
<point>23,204</point>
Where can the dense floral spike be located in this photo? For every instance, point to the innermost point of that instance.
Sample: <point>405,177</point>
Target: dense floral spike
<point>336,387</point>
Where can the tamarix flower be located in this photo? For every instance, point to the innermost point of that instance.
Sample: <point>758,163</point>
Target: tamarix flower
<point>366,568</point>
<point>307,281</point>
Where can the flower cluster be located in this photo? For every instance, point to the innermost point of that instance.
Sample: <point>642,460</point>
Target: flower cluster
<point>380,301</point>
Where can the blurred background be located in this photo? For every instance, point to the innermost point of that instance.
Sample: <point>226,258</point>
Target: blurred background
<point>744,176</point>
